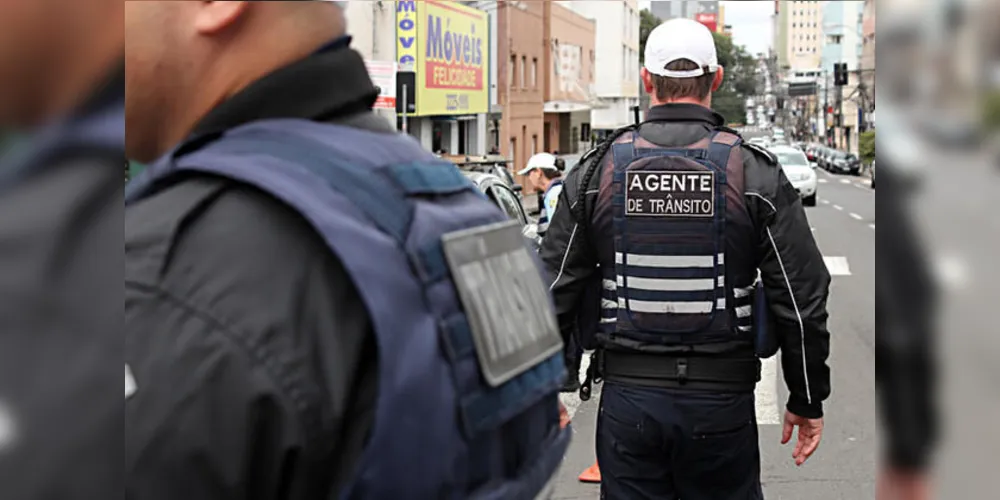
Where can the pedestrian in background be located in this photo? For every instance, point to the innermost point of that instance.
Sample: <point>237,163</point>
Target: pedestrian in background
<point>306,289</point>
<point>680,234</point>
<point>62,87</point>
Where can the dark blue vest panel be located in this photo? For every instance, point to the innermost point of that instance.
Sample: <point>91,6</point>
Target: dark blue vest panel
<point>672,276</point>
<point>470,360</point>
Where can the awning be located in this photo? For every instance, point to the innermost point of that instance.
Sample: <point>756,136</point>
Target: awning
<point>566,107</point>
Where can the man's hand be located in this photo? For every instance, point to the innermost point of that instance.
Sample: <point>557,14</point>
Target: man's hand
<point>903,485</point>
<point>810,434</point>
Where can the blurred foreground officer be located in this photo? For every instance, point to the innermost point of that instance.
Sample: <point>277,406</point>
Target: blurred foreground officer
<point>315,306</point>
<point>906,373</point>
<point>680,215</point>
<point>62,88</point>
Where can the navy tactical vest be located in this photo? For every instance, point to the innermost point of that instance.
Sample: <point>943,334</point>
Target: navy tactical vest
<point>681,267</point>
<point>470,360</point>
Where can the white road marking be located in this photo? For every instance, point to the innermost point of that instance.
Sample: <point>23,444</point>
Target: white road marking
<point>813,229</point>
<point>952,272</point>
<point>837,266</point>
<point>856,216</point>
<point>872,226</point>
<point>845,181</point>
<point>822,181</point>
<point>825,201</point>
<point>766,393</point>
<point>838,207</point>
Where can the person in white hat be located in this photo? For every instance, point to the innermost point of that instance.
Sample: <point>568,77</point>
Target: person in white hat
<point>544,176</point>
<point>677,217</point>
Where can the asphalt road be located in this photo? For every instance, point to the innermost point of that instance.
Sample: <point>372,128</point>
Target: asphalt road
<point>844,466</point>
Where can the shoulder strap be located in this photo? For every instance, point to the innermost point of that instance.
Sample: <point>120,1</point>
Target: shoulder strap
<point>721,147</point>
<point>578,208</point>
<point>381,193</point>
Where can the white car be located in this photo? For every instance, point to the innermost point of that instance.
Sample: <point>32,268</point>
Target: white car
<point>799,172</point>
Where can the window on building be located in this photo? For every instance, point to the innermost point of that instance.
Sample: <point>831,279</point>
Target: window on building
<point>511,71</point>
<point>534,144</point>
<point>534,73</point>
<point>524,64</point>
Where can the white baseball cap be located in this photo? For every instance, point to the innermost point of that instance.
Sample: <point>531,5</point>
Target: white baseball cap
<point>679,39</point>
<point>543,161</point>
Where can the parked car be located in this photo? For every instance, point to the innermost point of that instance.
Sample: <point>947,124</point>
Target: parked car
<point>845,163</point>
<point>820,154</point>
<point>495,165</point>
<point>799,172</point>
<point>500,193</point>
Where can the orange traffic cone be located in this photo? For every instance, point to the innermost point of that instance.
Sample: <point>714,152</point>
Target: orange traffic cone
<point>591,475</point>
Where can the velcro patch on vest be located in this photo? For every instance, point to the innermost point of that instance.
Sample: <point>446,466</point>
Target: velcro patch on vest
<point>661,193</point>
<point>506,302</point>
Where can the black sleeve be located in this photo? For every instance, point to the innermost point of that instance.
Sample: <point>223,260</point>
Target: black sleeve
<point>567,252</point>
<point>796,281</point>
<point>202,421</point>
<point>252,354</point>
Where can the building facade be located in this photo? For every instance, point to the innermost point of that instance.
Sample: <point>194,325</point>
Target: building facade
<point>373,33</point>
<point>616,60</point>
<point>842,31</point>
<point>799,34</point>
<point>520,80</point>
<point>867,63</point>
<point>569,79</point>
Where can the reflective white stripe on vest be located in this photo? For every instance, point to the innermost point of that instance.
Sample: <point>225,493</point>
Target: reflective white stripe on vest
<point>609,285</point>
<point>739,293</point>
<point>609,320</point>
<point>669,261</point>
<point>608,304</point>
<point>745,329</point>
<point>668,285</point>
<point>642,306</point>
<point>744,312</point>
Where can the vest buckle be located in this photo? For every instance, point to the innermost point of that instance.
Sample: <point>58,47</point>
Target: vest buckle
<point>682,370</point>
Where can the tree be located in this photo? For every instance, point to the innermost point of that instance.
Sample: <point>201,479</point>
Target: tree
<point>647,21</point>
<point>740,69</point>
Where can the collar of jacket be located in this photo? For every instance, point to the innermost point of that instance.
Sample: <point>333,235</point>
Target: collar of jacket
<point>684,113</point>
<point>330,83</point>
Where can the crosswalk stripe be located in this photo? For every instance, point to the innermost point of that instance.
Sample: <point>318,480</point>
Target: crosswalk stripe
<point>872,226</point>
<point>837,266</point>
<point>856,216</point>
<point>766,393</point>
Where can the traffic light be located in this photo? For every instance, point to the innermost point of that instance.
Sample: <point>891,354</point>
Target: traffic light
<point>840,75</point>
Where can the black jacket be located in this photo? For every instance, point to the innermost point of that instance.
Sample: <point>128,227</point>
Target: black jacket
<point>60,329</point>
<point>794,274</point>
<point>253,356</point>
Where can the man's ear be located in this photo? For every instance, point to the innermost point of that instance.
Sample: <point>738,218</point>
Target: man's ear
<point>214,17</point>
<point>719,77</point>
<point>647,80</point>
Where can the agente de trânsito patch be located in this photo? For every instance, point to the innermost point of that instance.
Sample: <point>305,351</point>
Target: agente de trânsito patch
<point>669,194</point>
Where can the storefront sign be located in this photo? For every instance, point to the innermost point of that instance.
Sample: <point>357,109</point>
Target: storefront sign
<point>446,44</point>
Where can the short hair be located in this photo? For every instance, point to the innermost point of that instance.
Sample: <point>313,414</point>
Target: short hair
<point>666,88</point>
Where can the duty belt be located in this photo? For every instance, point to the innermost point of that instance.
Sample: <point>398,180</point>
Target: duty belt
<point>670,371</point>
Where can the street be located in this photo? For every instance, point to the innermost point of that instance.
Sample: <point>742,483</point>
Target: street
<point>845,464</point>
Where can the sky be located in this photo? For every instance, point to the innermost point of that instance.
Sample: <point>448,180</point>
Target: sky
<point>751,22</point>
